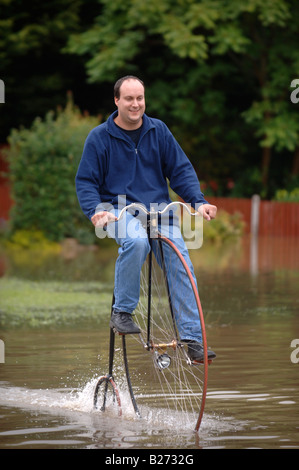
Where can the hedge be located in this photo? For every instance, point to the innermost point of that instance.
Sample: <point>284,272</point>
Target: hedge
<point>43,161</point>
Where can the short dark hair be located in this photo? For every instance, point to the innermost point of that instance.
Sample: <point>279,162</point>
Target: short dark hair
<point>120,81</point>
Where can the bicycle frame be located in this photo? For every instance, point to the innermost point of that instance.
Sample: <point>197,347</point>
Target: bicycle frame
<point>110,377</point>
<point>149,344</point>
<point>161,348</point>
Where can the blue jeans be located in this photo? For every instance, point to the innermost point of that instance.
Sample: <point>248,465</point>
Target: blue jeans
<point>134,246</point>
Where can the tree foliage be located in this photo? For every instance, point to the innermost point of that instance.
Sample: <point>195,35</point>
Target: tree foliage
<point>218,72</point>
<point>43,162</point>
<point>36,74</point>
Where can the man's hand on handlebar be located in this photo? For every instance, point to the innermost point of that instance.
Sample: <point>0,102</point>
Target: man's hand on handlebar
<point>101,219</point>
<point>208,211</point>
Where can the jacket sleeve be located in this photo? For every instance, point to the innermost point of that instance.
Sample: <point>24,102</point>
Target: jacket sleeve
<point>181,174</point>
<point>89,178</point>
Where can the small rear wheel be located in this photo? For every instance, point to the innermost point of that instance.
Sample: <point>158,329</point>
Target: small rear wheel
<point>106,395</point>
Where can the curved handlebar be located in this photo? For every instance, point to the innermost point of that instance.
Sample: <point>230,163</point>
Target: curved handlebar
<point>136,205</point>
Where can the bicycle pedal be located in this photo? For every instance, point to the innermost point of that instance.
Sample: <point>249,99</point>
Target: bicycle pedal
<point>195,363</point>
<point>117,332</point>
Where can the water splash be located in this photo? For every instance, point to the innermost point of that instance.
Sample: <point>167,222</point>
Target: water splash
<point>69,402</point>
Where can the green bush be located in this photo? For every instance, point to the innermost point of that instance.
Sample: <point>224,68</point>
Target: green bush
<point>43,161</point>
<point>28,239</point>
<point>287,196</point>
<point>225,227</point>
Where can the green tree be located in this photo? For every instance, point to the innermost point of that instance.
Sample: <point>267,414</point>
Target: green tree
<point>37,75</point>
<point>274,59</point>
<point>43,161</point>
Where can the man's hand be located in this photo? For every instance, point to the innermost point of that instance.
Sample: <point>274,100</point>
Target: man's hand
<point>101,219</point>
<point>208,211</point>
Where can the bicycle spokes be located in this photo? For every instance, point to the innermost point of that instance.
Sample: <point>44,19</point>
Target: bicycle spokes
<point>169,376</point>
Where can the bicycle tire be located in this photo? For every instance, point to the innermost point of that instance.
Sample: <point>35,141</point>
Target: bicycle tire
<point>179,387</point>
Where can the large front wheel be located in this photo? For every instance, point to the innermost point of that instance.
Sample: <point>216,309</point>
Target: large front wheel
<point>166,377</point>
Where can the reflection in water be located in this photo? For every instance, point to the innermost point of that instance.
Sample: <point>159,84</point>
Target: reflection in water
<point>73,415</point>
<point>73,264</point>
<point>47,381</point>
<point>250,254</point>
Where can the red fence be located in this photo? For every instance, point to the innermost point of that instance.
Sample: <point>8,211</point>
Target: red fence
<point>232,205</point>
<point>279,218</point>
<point>5,201</point>
<point>274,218</point>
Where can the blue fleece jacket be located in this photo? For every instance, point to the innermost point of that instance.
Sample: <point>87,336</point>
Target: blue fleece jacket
<point>111,166</point>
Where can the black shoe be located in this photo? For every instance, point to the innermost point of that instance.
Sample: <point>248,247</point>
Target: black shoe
<point>123,323</point>
<point>196,352</point>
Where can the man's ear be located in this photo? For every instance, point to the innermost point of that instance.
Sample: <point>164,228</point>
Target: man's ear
<point>116,101</point>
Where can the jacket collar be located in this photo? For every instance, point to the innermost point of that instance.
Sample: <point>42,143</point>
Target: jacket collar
<point>115,132</point>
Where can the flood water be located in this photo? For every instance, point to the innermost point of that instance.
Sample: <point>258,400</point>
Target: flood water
<point>250,299</point>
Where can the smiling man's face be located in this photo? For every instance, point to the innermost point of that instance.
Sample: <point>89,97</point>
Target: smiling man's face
<point>131,104</point>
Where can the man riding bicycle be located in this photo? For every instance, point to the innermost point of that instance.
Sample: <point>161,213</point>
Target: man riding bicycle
<point>134,155</point>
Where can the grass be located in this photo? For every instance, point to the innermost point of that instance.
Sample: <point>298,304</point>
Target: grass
<point>52,303</point>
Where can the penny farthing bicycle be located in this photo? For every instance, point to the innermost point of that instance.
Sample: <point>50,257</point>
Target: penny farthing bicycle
<point>159,372</point>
